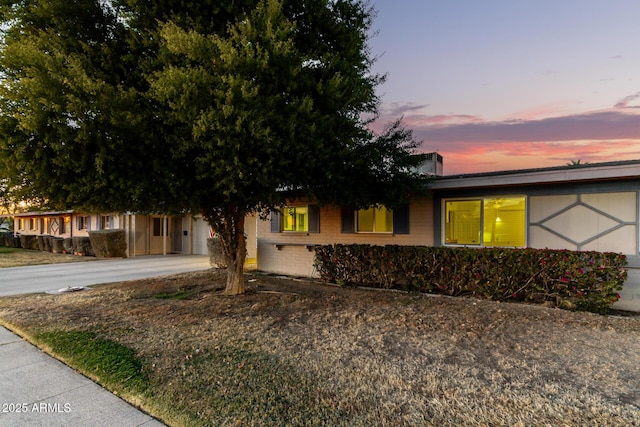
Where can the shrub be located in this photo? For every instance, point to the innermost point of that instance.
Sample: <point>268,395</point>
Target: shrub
<point>68,245</point>
<point>28,241</point>
<point>57,245</point>
<point>44,243</point>
<point>574,280</point>
<point>6,239</point>
<point>82,246</point>
<point>109,243</point>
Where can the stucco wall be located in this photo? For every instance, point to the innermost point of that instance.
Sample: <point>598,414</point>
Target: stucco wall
<point>285,253</point>
<point>606,222</point>
<point>630,293</point>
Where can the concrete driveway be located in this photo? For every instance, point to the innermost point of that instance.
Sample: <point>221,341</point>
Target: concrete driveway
<point>50,277</point>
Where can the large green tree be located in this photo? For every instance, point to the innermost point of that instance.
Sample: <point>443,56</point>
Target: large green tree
<point>75,123</point>
<point>226,109</point>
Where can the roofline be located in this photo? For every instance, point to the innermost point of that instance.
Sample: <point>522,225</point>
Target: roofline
<point>53,213</point>
<point>627,169</point>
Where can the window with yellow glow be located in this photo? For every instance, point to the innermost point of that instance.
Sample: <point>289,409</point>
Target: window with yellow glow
<point>295,219</point>
<point>498,221</point>
<point>65,222</point>
<point>462,222</point>
<point>504,221</point>
<point>374,220</point>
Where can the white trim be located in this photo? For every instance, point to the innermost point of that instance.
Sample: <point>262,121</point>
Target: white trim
<point>500,179</point>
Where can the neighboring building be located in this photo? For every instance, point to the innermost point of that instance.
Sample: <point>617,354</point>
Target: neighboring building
<point>146,234</point>
<point>585,207</point>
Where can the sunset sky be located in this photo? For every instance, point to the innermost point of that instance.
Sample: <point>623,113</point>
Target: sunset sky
<point>504,84</point>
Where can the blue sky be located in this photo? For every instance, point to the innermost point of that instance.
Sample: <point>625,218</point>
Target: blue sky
<point>497,84</point>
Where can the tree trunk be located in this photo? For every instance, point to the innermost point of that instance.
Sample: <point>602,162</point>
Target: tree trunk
<point>235,264</point>
<point>228,224</point>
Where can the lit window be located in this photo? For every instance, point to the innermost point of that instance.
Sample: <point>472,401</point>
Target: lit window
<point>498,221</point>
<point>504,222</point>
<point>374,220</point>
<point>64,224</point>
<point>295,219</point>
<point>462,222</point>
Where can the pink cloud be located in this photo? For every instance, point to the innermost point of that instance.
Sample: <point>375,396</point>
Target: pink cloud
<point>470,144</point>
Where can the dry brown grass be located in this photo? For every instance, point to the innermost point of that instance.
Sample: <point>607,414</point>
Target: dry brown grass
<point>299,353</point>
<point>10,257</point>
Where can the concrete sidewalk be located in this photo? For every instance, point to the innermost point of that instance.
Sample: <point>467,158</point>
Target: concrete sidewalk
<point>38,390</point>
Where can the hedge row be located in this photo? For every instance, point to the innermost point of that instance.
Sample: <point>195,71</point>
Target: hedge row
<point>103,244</point>
<point>587,281</point>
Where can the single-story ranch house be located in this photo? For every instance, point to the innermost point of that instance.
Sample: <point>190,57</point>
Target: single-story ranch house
<point>579,207</point>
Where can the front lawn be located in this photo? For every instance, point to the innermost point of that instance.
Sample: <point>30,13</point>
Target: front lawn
<point>294,352</point>
<point>12,257</point>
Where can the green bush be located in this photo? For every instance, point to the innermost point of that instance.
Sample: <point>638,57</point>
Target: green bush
<point>28,241</point>
<point>57,245</point>
<point>109,243</point>
<point>7,239</point>
<point>82,246</point>
<point>587,281</point>
<point>68,245</point>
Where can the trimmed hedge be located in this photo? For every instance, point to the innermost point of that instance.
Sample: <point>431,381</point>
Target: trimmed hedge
<point>82,246</point>
<point>9,240</point>
<point>28,241</point>
<point>57,245</point>
<point>586,281</point>
<point>109,243</point>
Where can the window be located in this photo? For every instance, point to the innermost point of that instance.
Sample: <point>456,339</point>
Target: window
<point>300,219</point>
<point>158,229</point>
<point>64,224</point>
<point>83,223</point>
<point>32,223</point>
<point>498,221</point>
<point>295,219</point>
<point>105,222</point>
<point>378,220</point>
<point>21,224</point>
<point>374,220</point>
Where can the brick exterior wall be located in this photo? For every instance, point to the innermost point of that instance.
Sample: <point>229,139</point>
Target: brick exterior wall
<point>286,253</point>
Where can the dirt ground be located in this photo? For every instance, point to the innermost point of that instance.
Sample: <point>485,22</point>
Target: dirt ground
<point>296,352</point>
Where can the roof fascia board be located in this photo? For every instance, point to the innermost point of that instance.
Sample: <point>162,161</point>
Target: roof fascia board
<point>539,177</point>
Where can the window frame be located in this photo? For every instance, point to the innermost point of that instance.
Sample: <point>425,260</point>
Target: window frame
<point>284,215</point>
<point>65,222</point>
<point>313,220</point>
<point>83,222</point>
<point>105,222</point>
<point>482,226</point>
<point>161,229</point>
